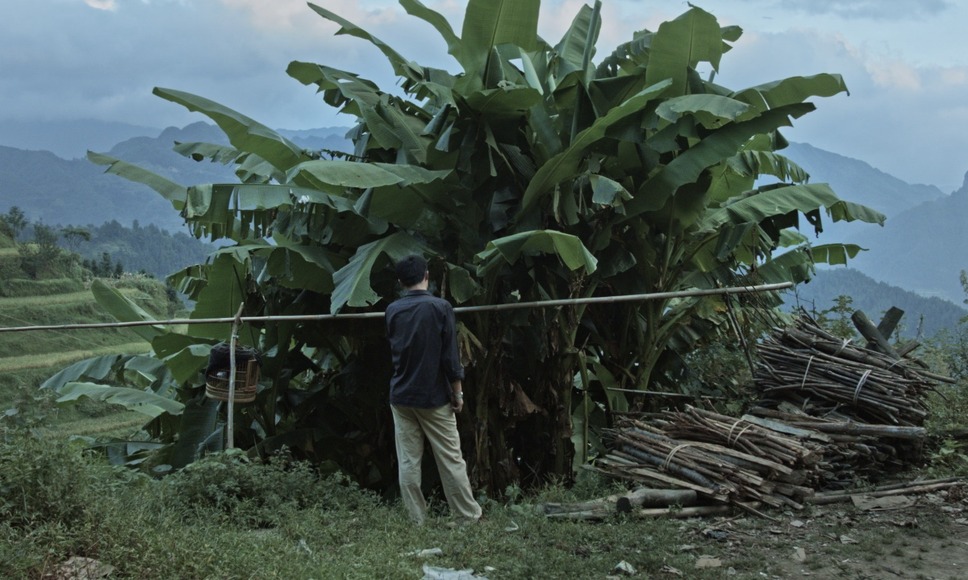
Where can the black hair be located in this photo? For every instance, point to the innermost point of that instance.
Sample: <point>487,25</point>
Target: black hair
<point>410,270</point>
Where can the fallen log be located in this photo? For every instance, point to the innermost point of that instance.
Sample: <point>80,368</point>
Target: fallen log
<point>653,498</point>
<point>853,428</point>
<point>844,496</point>
<point>622,503</point>
<point>686,512</point>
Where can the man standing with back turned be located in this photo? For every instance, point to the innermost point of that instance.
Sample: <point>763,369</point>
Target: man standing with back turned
<point>426,392</point>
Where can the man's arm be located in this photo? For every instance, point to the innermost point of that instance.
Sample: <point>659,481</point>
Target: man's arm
<point>457,396</point>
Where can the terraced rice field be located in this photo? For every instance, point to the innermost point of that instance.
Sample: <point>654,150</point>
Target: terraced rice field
<point>29,358</point>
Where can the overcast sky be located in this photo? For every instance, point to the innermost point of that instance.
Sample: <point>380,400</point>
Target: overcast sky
<point>904,61</point>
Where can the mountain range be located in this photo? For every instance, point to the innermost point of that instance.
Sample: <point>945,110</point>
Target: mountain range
<point>922,248</point>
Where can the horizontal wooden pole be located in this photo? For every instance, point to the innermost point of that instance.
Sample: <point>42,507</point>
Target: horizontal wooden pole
<point>457,310</point>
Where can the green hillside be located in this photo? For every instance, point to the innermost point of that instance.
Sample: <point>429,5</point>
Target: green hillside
<point>930,315</point>
<point>922,249</point>
<point>30,357</point>
<point>61,191</point>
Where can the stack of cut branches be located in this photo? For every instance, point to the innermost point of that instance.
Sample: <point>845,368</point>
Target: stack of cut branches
<point>829,413</point>
<point>825,376</point>
<point>724,459</point>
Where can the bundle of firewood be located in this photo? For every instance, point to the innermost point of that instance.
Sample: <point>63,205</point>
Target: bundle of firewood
<point>829,413</point>
<point>722,458</point>
<point>825,376</point>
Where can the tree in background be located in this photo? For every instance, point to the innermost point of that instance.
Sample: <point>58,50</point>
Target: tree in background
<point>532,174</point>
<point>14,222</point>
<point>42,256</point>
<point>73,236</point>
<point>837,319</point>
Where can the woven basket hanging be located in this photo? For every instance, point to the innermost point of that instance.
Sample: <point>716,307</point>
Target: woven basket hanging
<point>246,373</point>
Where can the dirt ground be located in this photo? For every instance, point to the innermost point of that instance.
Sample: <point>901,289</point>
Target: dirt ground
<point>918,536</point>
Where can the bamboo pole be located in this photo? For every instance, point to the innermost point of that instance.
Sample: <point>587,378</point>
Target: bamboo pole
<point>457,310</point>
<point>914,489</point>
<point>232,371</point>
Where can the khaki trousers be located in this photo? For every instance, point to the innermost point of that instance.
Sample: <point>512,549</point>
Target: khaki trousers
<point>439,426</point>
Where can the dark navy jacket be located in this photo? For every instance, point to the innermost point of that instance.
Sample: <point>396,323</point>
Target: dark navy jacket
<point>423,341</point>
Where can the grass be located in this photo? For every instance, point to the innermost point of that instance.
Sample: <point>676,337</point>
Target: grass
<point>119,424</point>
<point>61,359</point>
<point>69,298</point>
<point>288,525</point>
<point>228,517</point>
<point>29,358</point>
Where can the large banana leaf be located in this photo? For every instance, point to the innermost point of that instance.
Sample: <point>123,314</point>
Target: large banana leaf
<point>198,422</point>
<point>792,90</point>
<point>401,66</point>
<point>509,249</point>
<point>849,211</point>
<point>498,103</point>
<point>834,254</point>
<point>184,356</point>
<point>353,280</point>
<point>122,308</point>
<point>793,266</point>
<point>337,175</point>
<point>720,145</point>
<point>144,402</point>
<point>710,110</point>
<point>344,90</point>
<point>243,133</point>
<point>803,198</point>
<point>680,44</point>
<point>225,289</point>
<point>454,45</point>
<point>393,129</point>
<point>300,267</point>
<point>577,46</point>
<point>199,151</point>
<point>95,369</point>
<point>168,189</point>
<point>565,165</point>
<point>489,23</point>
<point>752,163</point>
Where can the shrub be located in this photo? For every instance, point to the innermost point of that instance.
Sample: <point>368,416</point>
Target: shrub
<point>254,493</point>
<point>41,482</point>
<point>51,287</point>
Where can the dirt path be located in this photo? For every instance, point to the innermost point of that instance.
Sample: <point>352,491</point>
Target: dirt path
<point>927,539</point>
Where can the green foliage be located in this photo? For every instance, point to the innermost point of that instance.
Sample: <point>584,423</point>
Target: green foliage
<point>22,287</point>
<point>42,257</point>
<point>41,483</point>
<point>139,248</point>
<point>255,494</point>
<point>321,527</point>
<point>533,174</point>
<point>923,317</point>
<point>13,222</point>
<point>837,318</point>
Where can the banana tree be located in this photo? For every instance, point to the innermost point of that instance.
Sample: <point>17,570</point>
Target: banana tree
<point>530,173</point>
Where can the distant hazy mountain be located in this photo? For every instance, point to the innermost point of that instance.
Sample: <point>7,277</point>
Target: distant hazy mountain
<point>875,298</point>
<point>857,181</point>
<point>922,246</point>
<point>69,139</point>
<point>76,192</point>
<point>922,249</point>
<point>54,190</point>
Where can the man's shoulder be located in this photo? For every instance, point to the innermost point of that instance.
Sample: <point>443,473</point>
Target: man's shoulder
<point>416,298</point>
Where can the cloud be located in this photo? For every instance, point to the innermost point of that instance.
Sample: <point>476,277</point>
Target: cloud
<point>110,5</point>
<point>869,9</point>
<point>895,75</point>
